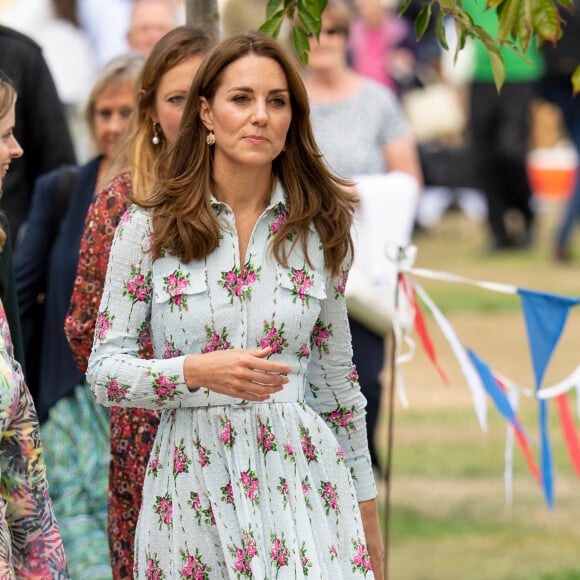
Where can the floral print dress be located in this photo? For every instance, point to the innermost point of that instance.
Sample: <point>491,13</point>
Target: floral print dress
<point>30,543</point>
<point>237,489</point>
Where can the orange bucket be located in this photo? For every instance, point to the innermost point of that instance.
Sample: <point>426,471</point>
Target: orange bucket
<point>552,172</point>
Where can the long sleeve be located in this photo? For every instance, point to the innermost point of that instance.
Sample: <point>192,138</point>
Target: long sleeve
<point>102,219</point>
<point>334,389</point>
<point>116,373</point>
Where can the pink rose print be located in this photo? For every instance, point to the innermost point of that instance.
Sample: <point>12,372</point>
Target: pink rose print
<point>203,453</point>
<point>283,489</point>
<point>228,495</point>
<point>201,515</point>
<point>165,387</point>
<point>301,285</point>
<point>138,286</point>
<point>103,324</point>
<point>170,350</point>
<point>154,463</point>
<point>341,285</point>
<point>216,341</point>
<point>243,555</point>
<point>308,448</point>
<point>289,452</point>
<point>303,352</point>
<point>328,493</point>
<point>238,283</point>
<point>306,563</point>
<point>116,391</point>
<point>164,509</point>
<point>281,213</point>
<point>175,285</point>
<point>306,489</point>
<point>278,551</point>
<point>353,376</point>
<point>273,337</point>
<point>266,439</point>
<point>193,566</point>
<point>340,418</point>
<point>181,461</point>
<point>153,571</point>
<point>320,335</point>
<point>340,460</point>
<point>144,337</point>
<point>227,433</point>
<point>333,552</point>
<point>361,561</point>
<point>250,485</point>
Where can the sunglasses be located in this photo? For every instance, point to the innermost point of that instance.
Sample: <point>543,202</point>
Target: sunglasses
<point>331,31</point>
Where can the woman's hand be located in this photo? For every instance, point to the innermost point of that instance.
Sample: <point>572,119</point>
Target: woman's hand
<point>240,373</point>
<point>370,519</point>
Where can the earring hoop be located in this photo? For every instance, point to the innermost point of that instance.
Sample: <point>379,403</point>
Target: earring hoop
<point>156,139</point>
<point>210,139</point>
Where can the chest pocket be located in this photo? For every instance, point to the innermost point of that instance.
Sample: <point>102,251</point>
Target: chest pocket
<point>180,287</point>
<point>306,287</point>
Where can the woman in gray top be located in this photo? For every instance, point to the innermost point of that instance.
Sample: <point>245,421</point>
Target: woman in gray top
<point>361,129</point>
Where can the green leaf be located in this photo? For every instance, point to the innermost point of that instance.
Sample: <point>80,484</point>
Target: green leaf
<point>273,25</point>
<point>272,8</point>
<point>576,81</point>
<point>404,6</point>
<point>301,43</point>
<point>546,19</point>
<point>447,5</point>
<point>440,30</point>
<point>310,22</point>
<point>422,20</point>
<point>523,26</point>
<point>497,65</point>
<point>507,15</point>
<point>568,4</point>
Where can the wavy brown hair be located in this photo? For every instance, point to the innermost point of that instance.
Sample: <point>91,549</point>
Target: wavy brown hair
<point>184,222</point>
<point>7,95</point>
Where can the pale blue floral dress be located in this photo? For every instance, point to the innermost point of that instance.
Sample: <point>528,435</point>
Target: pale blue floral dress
<point>236,489</point>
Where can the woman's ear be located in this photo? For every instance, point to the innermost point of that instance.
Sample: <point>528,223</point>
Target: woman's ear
<point>205,113</point>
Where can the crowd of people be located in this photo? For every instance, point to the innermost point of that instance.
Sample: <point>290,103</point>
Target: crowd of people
<point>183,390</point>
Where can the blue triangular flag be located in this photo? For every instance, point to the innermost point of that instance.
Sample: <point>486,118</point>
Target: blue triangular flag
<point>545,316</point>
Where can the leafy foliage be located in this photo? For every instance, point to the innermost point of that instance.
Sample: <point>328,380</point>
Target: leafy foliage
<point>520,22</point>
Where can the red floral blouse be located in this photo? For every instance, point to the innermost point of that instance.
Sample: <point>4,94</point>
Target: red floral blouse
<point>132,430</point>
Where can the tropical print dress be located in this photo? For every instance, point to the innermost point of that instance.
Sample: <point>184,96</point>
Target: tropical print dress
<point>30,543</point>
<point>236,489</point>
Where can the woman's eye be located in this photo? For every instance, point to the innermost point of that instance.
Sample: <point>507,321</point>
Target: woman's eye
<point>240,99</point>
<point>278,102</point>
<point>177,99</point>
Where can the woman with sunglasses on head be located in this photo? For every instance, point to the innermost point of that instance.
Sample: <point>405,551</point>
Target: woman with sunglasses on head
<point>161,93</point>
<point>360,129</point>
<point>30,543</point>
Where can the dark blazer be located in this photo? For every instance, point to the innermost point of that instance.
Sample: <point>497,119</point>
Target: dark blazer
<point>41,124</point>
<point>50,267</point>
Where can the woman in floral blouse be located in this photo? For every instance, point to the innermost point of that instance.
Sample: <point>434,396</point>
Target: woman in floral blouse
<point>260,467</point>
<point>30,543</point>
<point>162,89</point>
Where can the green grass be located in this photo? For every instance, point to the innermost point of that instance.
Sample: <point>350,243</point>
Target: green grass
<point>448,516</point>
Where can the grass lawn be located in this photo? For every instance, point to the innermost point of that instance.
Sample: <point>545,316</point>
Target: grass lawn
<point>449,515</point>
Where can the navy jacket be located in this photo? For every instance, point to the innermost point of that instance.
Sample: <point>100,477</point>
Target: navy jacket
<point>42,266</point>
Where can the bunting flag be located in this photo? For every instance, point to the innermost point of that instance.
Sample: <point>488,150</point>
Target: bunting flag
<point>545,317</point>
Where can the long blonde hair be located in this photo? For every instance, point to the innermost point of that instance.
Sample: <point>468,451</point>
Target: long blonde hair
<point>183,220</point>
<point>7,96</point>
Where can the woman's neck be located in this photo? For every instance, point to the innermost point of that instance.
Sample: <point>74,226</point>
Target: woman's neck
<point>331,85</point>
<point>246,191</point>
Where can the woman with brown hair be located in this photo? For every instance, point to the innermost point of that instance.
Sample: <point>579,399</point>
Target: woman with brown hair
<point>161,93</point>
<point>237,262</point>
